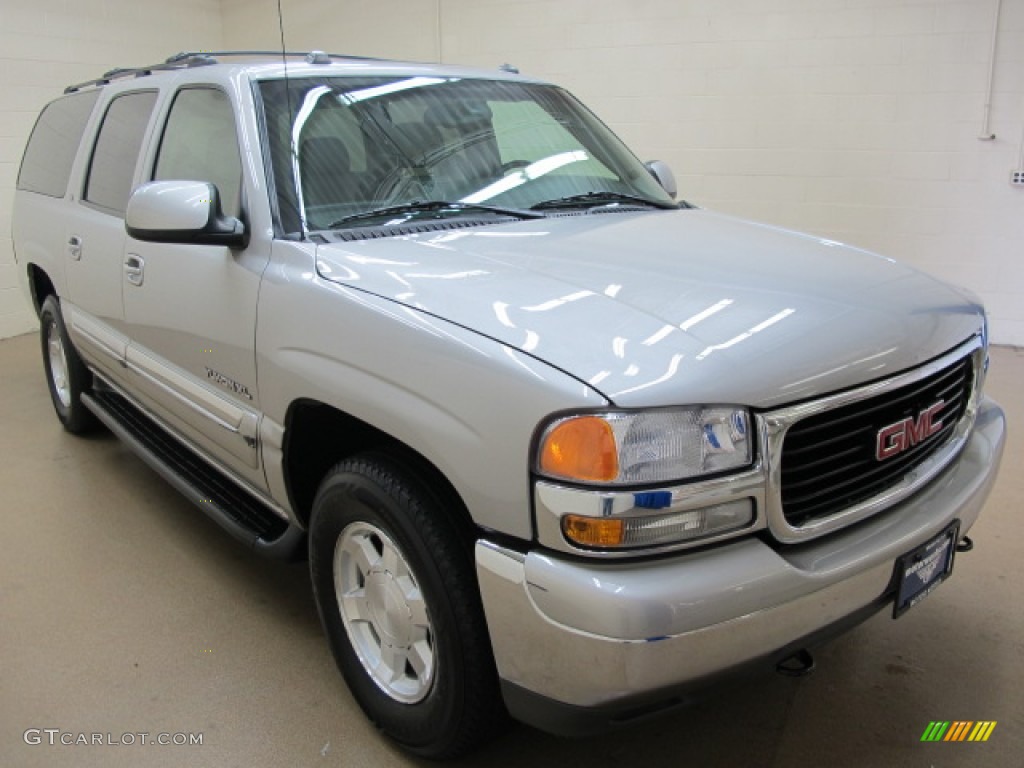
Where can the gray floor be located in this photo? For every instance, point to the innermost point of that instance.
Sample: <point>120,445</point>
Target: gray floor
<point>122,609</point>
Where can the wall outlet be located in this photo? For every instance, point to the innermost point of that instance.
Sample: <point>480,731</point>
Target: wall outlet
<point>1017,178</point>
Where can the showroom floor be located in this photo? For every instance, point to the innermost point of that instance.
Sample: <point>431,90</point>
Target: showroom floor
<point>123,610</point>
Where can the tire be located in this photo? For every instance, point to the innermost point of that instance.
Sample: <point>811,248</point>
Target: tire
<point>66,375</point>
<point>408,633</point>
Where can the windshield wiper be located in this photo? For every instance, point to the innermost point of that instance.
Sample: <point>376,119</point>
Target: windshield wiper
<point>595,199</point>
<point>426,206</point>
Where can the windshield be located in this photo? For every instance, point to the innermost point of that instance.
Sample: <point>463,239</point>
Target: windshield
<point>344,146</point>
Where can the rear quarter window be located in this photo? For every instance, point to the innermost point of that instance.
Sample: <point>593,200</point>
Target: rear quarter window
<point>46,164</point>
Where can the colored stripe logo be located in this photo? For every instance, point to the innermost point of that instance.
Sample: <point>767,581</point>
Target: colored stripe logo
<point>958,730</point>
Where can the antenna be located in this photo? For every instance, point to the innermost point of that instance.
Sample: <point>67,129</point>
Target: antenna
<point>291,140</point>
<point>280,26</point>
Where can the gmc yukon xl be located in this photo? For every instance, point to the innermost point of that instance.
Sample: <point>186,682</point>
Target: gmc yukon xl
<point>555,444</point>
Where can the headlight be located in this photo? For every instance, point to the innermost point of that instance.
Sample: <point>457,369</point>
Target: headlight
<point>645,447</point>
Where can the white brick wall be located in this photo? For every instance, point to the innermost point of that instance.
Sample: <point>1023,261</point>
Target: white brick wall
<point>405,29</point>
<point>853,119</point>
<point>47,44</point>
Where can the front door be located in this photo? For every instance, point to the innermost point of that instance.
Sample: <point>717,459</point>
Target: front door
<point>190,310</point>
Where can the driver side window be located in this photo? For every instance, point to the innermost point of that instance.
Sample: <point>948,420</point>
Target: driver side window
<point>200,144</point>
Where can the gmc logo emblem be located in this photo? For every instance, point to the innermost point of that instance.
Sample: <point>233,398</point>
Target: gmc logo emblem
<point>896,438</point>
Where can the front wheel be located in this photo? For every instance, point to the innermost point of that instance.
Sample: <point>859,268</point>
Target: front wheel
<point>396,591</point>
<point>66,374</point>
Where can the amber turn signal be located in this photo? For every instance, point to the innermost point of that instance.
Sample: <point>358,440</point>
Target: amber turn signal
<point>594,531</point>
<point>581,448</point>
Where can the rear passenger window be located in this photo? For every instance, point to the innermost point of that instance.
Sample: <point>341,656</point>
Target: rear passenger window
<point>117,150</point>
<point>200,144</point>
<point>51,150</point>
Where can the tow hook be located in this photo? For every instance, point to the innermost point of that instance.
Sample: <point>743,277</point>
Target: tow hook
<point>799,664</point>
<point>966,544</point>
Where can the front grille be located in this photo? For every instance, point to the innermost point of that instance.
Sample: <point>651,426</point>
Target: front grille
<point>828,460</point>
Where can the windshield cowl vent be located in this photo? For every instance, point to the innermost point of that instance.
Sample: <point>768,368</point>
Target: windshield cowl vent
<point>375,233</point>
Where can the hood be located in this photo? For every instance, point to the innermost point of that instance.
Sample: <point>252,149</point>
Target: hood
<point>671,307</point>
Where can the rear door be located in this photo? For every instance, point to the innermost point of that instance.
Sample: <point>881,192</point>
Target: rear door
<point>190,310</point>
<point>93,231</point>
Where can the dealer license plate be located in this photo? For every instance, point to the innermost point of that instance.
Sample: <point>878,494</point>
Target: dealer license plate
<point>920,572</point>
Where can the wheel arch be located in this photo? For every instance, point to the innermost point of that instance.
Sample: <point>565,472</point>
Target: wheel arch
<point>318,435</point>
<point>40,286</point>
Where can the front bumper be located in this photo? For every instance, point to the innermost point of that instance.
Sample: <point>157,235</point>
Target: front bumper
<point>573,637</point>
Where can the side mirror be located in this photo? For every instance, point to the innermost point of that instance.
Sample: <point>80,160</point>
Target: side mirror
<point>186,212</point>
<point>663,175</point>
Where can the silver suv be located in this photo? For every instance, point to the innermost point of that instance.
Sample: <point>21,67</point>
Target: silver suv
<point>556,445</point>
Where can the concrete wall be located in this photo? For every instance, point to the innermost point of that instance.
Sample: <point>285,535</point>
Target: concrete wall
<point>853,119</point>
<point>47,44</point>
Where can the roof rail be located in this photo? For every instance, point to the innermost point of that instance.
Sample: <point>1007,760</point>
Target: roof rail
<point>189,59</point>
<point>192,60</point>
<point>188,54</point>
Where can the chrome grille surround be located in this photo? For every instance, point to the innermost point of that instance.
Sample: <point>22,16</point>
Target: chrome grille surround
<point>773,426</point>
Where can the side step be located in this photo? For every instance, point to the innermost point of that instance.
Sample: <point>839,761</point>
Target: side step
<point>231,507</point>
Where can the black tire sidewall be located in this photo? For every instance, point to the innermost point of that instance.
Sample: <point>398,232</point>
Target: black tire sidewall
<point>351,494</point>
<point>48,319</point>
<point>75,416</point>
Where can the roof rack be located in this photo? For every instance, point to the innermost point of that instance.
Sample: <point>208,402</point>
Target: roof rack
<point>189,59</point>
<point>306,54</point>
<point>178,61</point>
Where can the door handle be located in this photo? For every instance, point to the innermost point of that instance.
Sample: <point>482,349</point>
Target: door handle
<point>75,247</point>
<point>133,268</point>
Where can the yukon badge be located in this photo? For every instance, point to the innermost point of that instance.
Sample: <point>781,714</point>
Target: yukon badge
<point>224,381</point>
<point>899,437</point>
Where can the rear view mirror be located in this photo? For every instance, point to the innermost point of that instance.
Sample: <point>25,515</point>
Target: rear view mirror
<point>186,212</point>
<point>663,175</point>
